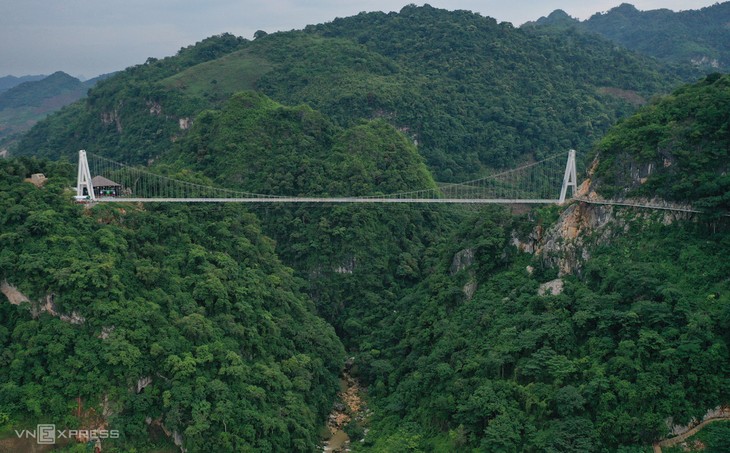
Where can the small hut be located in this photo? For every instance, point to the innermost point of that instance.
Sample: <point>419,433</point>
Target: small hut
<point>104,187</point>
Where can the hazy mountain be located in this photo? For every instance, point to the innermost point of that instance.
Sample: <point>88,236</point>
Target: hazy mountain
<point>10,81</point>
<point>34,97</point>
<point>697,37</point>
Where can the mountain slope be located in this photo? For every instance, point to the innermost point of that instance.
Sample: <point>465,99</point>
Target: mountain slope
<point>675,148</point>
<point>454,81</point>
<point>175,319</point>
<point>354,260</point>
<point>473,94</point>
<point>9,81</point>
<point>26,103</point>
<point>700,38</point>
<point>610,332</point>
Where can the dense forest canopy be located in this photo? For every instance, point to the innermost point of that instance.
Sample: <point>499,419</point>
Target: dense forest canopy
<point>472,93</point>
<point>694,38</point>
<point>676,148</point>
<point>191,301</point>
<point>220,323</point>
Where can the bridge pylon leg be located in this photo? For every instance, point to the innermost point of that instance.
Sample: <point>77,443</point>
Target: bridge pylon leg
<point>84,178</point>
<point>569,179</point>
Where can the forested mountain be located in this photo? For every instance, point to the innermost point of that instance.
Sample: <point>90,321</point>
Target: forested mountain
<point>174,318</point>
<point>356,260</point>
<point>9,81</point>
<point>698,37</point>
<point>676,149</point>
<point>24,104</point>
<point>491,352</point>
<point>563,329</point>
<point>474,94</point>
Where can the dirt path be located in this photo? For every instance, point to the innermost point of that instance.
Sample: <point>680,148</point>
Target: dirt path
<point>671,442</point>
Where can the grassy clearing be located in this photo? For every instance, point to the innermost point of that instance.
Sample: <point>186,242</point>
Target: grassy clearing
<point>221,77</point>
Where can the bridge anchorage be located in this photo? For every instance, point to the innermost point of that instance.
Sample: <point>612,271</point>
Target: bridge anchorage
<point>535,183</point>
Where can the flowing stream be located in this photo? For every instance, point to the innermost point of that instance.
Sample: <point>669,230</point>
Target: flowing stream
<point>348,407</point>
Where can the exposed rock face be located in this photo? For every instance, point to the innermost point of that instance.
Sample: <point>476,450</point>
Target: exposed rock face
<point>37,179</point>
<point>463,260</point>
<point>564,244</point>
<point>112,117</point>
<point>347,266</point>
<point>45,306</point>
<point>554,287</point>
<point>143,382</point>
<point>14,296</point>
<point>155,108</point>
<point>470,288</point>
<point>185,123</point>
<point>706,61</point>
<point>176,437</point>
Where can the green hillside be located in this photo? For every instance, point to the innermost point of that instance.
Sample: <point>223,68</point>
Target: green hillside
<point>25,104</point>
<point>9,81</point>
<point>472,93</point>
<point>575,328</point>
<point>190,301</point>
<point>476,357</point>
<point>698,38</point>
<point>675,148</point>
<point>218,79</point>
<point>355,260</point>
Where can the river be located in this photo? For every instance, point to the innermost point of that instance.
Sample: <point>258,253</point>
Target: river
<point>348,407</point>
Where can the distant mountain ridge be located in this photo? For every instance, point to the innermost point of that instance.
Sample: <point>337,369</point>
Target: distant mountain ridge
<point>35,93</point>
<point>448,80</point>
<point>9,81</point>
<point>31,98</point>
<point>698,37</point>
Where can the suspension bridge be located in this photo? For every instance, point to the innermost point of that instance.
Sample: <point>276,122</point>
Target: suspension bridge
<point>543,182</point>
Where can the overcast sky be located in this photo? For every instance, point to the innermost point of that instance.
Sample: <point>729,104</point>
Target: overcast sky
<point>92,37</point>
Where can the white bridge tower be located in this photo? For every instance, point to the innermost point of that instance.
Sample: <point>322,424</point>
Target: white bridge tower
<point>570,179</point>
<point>84,179</point>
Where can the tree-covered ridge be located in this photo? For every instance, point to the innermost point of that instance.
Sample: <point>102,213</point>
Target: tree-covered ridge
<point>130,116</point>
<point>638,337</point>
<point>476,93</point>
<point>676,148</point>
<point>256,144</point>
<point>191,301</point>
<point>472,93</point>
<point>695,37</point>
<point>7,82</point>
<point>24,104</point>
<point>356,260</point>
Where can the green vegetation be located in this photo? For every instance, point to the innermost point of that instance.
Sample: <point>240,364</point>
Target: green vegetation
<point>26,103</point>
<point>675,148</point>
<point>356,260</point>
<point>220,78</point>
<point>712,438</point>
<point>232,313</point>
<point>474,94</point>
<point>192,299</point>
<point>639,337</point>
<point>697,37</point>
